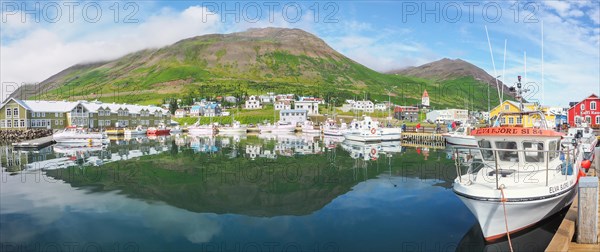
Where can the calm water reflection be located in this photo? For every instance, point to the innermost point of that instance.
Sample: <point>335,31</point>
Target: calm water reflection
<point>236,193</point>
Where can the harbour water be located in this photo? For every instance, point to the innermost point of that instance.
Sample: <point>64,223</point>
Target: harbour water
<point>239,193</point>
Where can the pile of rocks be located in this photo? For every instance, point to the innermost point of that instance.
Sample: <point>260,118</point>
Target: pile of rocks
<point>13,136</point>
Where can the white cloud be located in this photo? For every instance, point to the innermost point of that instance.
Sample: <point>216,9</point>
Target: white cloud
<point>594,15</point>
<point>47,49</point>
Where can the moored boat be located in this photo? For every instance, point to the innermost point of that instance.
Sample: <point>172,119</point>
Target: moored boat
<point>366,130</point>
<point>139,130</point>
<point>160,130</point>
<point>308,127</point>
<point>78,135</point>
<point>584,136</point>
<point>461,137</point>
<point>521,177</point>
<point>330,128</point>
<point>234,128</point>
<point>176,130</point>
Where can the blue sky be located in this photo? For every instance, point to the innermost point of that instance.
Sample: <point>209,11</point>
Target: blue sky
<point>40,38</point>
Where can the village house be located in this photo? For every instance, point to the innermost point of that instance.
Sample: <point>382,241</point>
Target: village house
<point>28,114</point>
<point>293,116</point>
<point>381,106</point>
<point>586,111</point>
<point>284,104</point>
<point>365,106</point>
<point>512,106</point>
<point>253,102</point>
<point>180,113</point>
<point>312,106</point>
<point>448,115</point>
<point>407,113</point>
<point>195,110</point>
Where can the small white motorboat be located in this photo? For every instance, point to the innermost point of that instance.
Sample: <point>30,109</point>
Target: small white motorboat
<point>277,128</point>
<point>234,128</point>
<point>309,128</point>
<point>391,134</point>
<point>366,130</point>
<point>461,137</point>
<point>139,130</point>
<point>79,135</point>
<point>583,136</point>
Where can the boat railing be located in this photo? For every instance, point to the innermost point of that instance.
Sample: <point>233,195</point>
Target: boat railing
<point>470,160</point>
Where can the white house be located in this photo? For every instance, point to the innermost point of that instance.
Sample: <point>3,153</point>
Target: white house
<point>311,106</point>
<point>195,110</point>
<point>180,113</point>
<point>293,116</point>
<point>280,105</point>
<point>381,106</point>
<point>448,115</point>
<point>366,106</point>
<point>253,103</point>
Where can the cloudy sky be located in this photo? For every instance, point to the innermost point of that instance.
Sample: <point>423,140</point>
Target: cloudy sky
<point>41,38</point>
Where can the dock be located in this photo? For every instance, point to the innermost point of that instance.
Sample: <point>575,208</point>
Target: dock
<point>422,137</point>
<point>34,143</point>
<point>563,239</point>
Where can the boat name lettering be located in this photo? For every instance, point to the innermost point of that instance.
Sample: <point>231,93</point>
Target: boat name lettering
<point>509,131</point>
<point>558,188</point>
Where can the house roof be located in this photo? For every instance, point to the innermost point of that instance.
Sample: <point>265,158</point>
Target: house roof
<point>425,94</point>
<point>592,96</point>
<point>47,106</point>
<point>293,110</point>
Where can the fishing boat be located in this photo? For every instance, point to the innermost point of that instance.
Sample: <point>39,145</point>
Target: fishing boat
<point>160,130</point>
<point>139,130</point>
<point>522,177</point>
<point>365,130</point>
<point>279,127</point>
<point>391,133</point>
<point>234,128</point>
<point>308,127</point>
<point>584,136</point>
<point>461,137</point>
<point>330,128</point>
<point>75,135</point>
<point>202,129</point>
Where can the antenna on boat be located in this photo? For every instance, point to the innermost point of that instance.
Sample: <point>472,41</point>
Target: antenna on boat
<point>493,63</point>
<point>543,96</point>
<point>503,72</point>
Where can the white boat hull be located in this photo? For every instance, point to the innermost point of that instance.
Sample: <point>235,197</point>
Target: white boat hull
<point>333,132</point>
<point>362,138</point>
<point>520,215</point>
<point>226,130</point>
<point>391,134</point>
<point>461,140</point>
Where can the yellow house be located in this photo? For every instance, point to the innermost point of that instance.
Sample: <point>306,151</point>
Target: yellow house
<point>512,106</point>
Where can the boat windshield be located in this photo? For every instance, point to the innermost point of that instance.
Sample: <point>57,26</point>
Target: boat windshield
<point>509,152</point>
<point>488,155</point>
<point>533,151</point>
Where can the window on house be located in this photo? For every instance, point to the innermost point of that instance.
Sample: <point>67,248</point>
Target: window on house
<point>588,119</point>
<point>8,123</point>
<point>582,106</point>
<point>506,107</point>
<point>8,113</point>
<point>22,123</point>
<point>16,112</point>
<point>519,120</point>
<point>511,120</point>
<point>55,114</point>
<point>593,105</point>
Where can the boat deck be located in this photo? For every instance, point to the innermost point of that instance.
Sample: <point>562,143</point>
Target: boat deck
<point>34,143</point>
<point>563,238</point>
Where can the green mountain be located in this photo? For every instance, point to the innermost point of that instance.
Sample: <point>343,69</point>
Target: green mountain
<point>251,62</point>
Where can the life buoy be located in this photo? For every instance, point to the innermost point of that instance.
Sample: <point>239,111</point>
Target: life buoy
<point>373,130</point>
<point>373,151</point>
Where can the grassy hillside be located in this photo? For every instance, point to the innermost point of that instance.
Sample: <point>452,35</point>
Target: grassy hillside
<point>251,62</point>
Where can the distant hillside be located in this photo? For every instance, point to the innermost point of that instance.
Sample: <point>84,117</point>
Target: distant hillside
<point>448,69</point>
<point>250,62</point>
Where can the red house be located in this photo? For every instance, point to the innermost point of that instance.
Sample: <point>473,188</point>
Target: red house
<point>587,111</point>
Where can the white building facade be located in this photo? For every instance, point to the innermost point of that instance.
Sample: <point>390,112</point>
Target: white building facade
<point>253,102</point>
<point>293,116</point>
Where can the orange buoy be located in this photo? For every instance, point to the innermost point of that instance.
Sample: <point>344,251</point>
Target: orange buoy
<point>586,164</point>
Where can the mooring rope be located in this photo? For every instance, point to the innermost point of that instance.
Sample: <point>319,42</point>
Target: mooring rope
<point>503,200</point>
